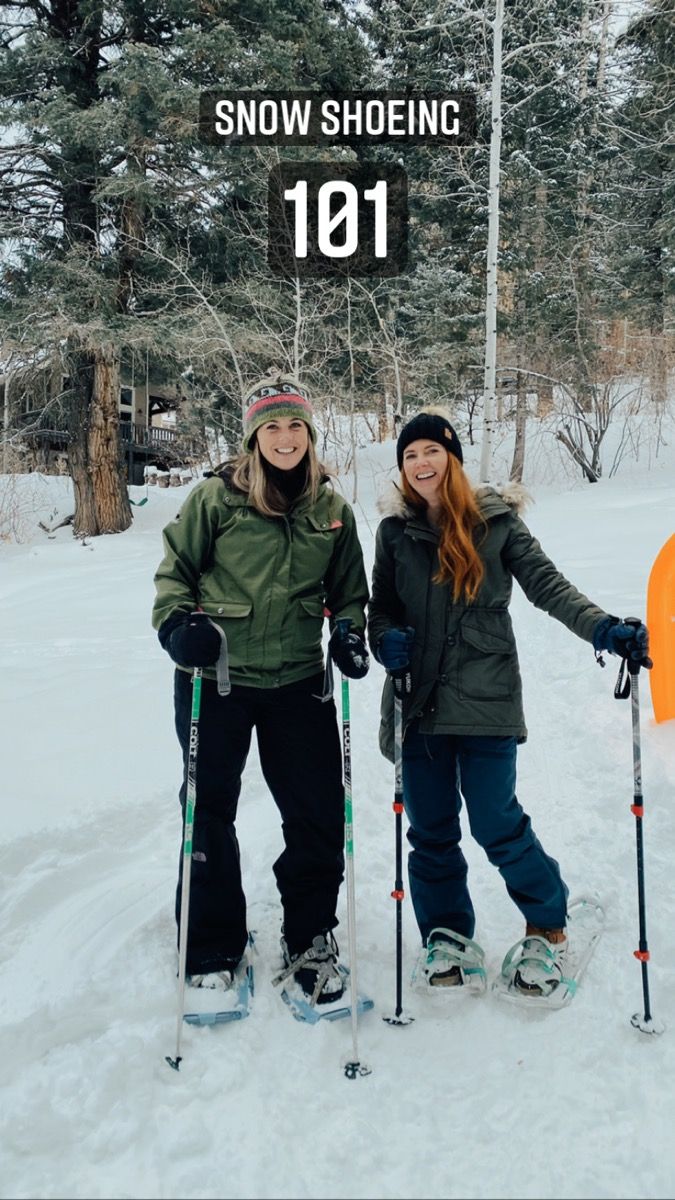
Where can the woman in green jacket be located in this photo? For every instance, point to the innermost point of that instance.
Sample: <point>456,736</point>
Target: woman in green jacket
<point>259,553</point>
<point>445,561</point>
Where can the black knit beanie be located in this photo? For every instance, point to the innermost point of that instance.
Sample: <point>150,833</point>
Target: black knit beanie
<point>431,427</point>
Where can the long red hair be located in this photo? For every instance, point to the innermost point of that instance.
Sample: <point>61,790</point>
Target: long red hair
<point>459,562</point>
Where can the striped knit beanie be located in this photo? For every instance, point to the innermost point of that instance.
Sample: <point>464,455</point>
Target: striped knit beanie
<point>274,398</point>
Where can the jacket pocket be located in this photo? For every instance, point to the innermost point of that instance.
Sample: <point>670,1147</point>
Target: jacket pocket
<point>235,619</point>
<point>324,526</point>
<point>308,628</point>
<point>488,667</point>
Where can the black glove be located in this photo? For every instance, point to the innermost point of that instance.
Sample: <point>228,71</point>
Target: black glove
<point>628,640</point>
<point>191,640</point>
<point>348,652</point>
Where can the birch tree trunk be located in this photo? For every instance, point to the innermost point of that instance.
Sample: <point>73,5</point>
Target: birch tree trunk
<point>492,248</point>
<point>585,300</point>
<point>352,395</point>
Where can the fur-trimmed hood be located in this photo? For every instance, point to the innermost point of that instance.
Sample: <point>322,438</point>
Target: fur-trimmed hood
<point>491,500</point>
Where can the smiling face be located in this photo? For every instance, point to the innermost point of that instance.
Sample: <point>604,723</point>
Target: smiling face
<point>283,442</point>
<point>424,466</point>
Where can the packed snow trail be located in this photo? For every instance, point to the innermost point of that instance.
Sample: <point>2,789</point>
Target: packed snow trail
<point>475,1098</point>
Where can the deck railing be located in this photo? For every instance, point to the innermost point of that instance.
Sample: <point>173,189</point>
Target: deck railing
<point>146,435</point>
<point>39,425</point>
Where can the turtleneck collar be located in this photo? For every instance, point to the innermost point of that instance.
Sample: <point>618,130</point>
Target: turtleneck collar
<point>290,483</point>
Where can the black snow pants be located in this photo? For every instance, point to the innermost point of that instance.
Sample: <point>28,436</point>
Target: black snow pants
<point>299,750</point>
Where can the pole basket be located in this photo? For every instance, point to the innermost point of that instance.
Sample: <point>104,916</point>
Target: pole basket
<point>647,1024</point>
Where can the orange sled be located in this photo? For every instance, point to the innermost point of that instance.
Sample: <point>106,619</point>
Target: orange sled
<point>661,624</point>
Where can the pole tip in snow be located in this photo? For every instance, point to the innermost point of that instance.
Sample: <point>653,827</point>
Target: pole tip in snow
<point>647,1024</point>
<point>398,1019</point>
<point>354,1069</point>
<point>173,1062</point>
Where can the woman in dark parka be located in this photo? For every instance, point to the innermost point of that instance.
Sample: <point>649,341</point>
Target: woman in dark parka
<point>445,560</point>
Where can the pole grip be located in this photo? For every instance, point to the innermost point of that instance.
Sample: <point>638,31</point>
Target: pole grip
<point>633,664</point>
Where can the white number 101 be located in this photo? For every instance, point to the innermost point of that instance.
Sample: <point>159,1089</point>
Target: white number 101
<point>347,214</point>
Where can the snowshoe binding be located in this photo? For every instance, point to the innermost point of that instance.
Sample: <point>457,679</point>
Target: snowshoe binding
<point>316,970</point>
<point>540,968</point>
<point>539,973</point>
<point>314,982</point>
<point>450,960</point>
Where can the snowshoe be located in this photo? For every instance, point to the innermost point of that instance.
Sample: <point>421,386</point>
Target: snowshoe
<point>451,961</point>
<point>316,970</point>
<point>540,974</point>
<point>315,982</point>
<point>220,996</point>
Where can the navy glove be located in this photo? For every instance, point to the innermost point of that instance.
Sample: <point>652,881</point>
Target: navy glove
<point>393,648</point>
<point>626,640</point>
<point>191,640</point>
<point>348,652</point>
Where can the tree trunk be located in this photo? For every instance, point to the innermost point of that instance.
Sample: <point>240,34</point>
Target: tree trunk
<point>658,367</point>
<point>544,397</point>
<point>95,453</point>
<point>518,463</point>
<point>113,511</point>
<point>132,233</point>
<point>383,430</point>
<point>541,341</point>
<point>657,260</point>
<point>80,368</point>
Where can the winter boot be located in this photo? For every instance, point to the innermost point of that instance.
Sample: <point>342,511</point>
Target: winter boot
<point>542,963</point>
<point>453,961</point>
<point>220,980</point>
<point>316,970</point>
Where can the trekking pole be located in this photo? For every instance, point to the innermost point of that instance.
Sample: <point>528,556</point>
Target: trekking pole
<point>353,1067</point>
<point>190,799</point>
<point>645,1022</point>
<point>402,685</point>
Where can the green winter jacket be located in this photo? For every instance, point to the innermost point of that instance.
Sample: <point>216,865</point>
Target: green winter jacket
<point>464,663</point>
<point>264,580</point>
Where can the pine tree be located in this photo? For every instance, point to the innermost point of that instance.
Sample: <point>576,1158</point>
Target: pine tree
<point>123,222</point>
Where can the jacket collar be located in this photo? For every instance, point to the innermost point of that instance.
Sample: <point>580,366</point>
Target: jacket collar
<point>235,498</point>
<point>492,501</point>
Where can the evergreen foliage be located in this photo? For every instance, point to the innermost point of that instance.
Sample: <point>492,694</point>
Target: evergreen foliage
<point>127,238</point>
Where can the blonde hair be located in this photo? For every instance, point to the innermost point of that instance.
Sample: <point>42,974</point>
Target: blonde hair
<point>460,520</point>
<point>250,475</point>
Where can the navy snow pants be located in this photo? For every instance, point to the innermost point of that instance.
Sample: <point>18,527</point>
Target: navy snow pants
<point>440,769</point>
<point>299,749</point>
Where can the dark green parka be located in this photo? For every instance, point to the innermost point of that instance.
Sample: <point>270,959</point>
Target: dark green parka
<point>464,663</point>
<point>264,580</point>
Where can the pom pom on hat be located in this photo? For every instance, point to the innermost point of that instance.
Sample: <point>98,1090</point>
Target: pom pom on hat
<point>274,398</point>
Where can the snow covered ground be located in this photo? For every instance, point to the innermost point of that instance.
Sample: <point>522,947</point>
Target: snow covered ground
<point>476,1098</point>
